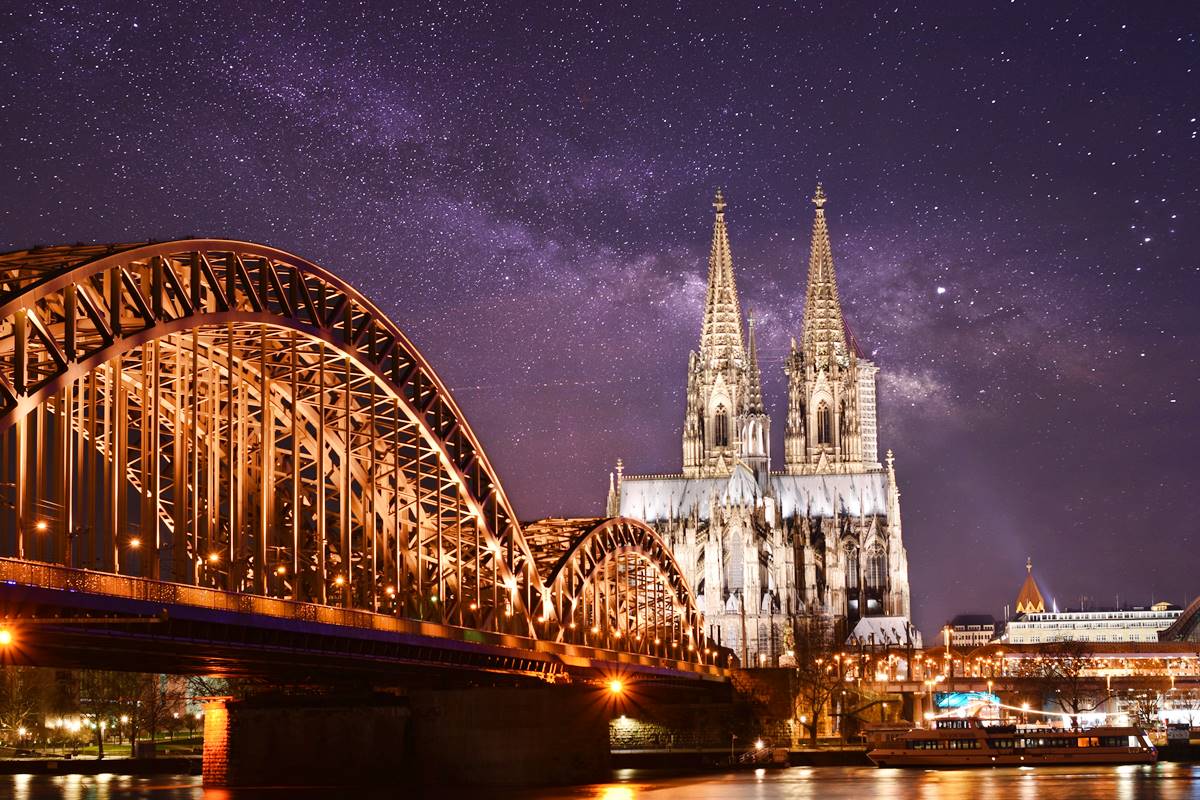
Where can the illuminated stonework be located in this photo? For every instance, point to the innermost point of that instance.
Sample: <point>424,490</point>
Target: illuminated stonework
<point>763,549</point>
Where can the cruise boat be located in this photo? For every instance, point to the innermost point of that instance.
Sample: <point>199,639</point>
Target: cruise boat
<point>980,743</point>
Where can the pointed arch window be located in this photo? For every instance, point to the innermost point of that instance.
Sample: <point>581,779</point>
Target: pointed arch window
<point>721,427</point>
<point>876,567</point>
<point>851,566</point>
<point>824,430</point>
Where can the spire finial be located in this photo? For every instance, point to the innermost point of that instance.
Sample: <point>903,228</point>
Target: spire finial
<point>1029,565</point>
<point>819,197</point>
<point>719,202</point>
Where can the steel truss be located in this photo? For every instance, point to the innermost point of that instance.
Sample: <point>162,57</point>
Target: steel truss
<point>227,415</point>
<point>614,583</point>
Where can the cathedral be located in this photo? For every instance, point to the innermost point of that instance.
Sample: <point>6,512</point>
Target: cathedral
<point>765,549</point>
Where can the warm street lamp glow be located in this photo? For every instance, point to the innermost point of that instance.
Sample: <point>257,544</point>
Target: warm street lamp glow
<point>340,580</point>
<point>616,687</point>
<point>214,557</point>
<point>6,637</point>
<point>281,570</point>
<point>758,744</point>
<point>41,525</point>
<point>135,543</point>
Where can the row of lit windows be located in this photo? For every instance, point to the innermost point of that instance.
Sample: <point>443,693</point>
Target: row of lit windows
<point>944,744</point>
<point>1058,741</point>
<point>1024,742</point>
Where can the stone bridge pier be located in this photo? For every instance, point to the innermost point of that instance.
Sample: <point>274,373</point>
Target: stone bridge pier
<point>475,736</point>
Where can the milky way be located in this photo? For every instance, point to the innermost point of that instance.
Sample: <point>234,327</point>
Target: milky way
<point>1014,196</point>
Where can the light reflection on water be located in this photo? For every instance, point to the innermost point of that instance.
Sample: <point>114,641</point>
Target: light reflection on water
<point>1164,781</point>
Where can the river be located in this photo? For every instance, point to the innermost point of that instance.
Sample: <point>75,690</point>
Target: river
<point>1165,781</point>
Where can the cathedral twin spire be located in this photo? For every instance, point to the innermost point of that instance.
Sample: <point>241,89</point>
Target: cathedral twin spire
<point>824,338</point>
<point>831,394</point>
<point>721,336</point>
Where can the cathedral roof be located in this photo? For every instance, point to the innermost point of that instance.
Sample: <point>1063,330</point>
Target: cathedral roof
<point>1029,599</point>
<point>657,498</point>
<point>742,488</point>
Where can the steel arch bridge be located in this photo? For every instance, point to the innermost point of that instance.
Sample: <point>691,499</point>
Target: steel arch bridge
<point>227,416</point>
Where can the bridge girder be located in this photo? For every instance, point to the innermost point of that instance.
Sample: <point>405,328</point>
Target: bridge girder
<point>226,414</point>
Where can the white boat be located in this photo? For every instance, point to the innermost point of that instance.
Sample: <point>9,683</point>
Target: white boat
<point>978,743</point>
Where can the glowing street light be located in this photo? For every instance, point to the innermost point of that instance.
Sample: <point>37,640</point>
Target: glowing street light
<point>281,570</point>
<point>214,557</point>
<point>135,543</point>
<point>41,525</point>
<point>6,637</point>
<point>616,687</point>
<point>340,580</point>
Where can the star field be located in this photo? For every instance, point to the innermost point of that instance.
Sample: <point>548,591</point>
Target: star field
<point>1014,205</point>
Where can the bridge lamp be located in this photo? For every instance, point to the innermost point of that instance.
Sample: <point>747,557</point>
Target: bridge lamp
<point>6,637</point>
<point>616,687</point>
<point>473,606</point>
<point>135,543</point>
<point>281,570</point>
<point>339,580</point>
<point>758,744</point>
<point>41,525</point>
<point>214,557</point>
<point>391,592</point>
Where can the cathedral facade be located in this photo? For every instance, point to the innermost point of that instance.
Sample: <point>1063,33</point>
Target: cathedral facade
<point>764,549</point>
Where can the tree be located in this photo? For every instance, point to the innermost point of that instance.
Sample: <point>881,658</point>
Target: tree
<point>160,701</point>
<point>1060,672</point>
<point>26,695</point>
<point>104,696</point>
<point>820,672</point>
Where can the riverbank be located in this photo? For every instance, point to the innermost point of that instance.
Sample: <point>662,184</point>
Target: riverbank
<point>167,765</point>
<point>718,758</point>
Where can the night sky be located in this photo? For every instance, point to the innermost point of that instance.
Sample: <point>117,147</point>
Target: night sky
<point>1014,205</point>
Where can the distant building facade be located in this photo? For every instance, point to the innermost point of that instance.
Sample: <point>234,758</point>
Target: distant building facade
<point>1128,624</point>
<point>968,631</point>
<point>759,548</point>
<point>1035,625</point>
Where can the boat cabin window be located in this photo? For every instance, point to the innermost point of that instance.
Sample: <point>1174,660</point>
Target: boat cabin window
<point>955,723</point>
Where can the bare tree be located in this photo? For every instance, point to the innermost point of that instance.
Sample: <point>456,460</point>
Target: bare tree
<point>160,701</point>
<point>25,697</point>
<point>1060,672</point>
<point>820,671</point>
<point>104,696</point>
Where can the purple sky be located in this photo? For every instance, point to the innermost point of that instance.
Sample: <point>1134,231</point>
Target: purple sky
<point>1014,205</point>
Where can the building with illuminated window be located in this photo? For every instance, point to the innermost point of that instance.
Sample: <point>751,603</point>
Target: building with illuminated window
<point>1127,624</point>
<point>968,631</point>
<point>761,548</point>
<point>1035,625</point>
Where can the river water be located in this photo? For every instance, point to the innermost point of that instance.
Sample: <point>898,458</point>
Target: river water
<point>1166,781</point>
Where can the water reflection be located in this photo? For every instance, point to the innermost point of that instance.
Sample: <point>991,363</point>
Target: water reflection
<point>1161,782</point>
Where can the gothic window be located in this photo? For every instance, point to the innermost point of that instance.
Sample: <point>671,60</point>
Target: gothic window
<point>700,424</point>
<point>721,428</point>
<point>851,566</point>
<point>876,567</point>
<point>843,425</point>
<point>823,427</point>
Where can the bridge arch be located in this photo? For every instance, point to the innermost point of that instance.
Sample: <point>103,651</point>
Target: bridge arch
<point>613,582</point>
<point>276,432</point>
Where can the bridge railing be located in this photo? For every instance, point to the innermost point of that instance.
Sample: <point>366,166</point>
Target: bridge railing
<point>53,576</point>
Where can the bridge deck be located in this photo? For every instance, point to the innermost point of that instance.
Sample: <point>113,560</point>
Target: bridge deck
<point>206,629</point>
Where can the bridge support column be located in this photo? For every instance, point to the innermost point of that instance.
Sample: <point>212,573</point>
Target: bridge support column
<point>482,736</point>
